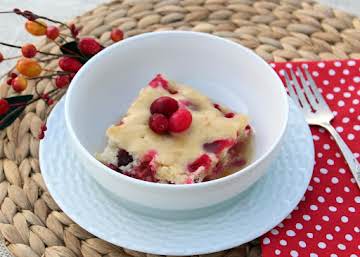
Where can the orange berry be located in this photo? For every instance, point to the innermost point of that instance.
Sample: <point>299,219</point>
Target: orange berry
<point>36,28</point>
<point>28,67</point>
<point>117,35</point>
<point>28,50</point>
<point>19,84</point>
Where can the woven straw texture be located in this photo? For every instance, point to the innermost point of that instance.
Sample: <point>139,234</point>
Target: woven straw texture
<point>279,30</point>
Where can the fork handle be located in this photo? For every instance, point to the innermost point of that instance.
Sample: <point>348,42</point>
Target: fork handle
<point>349,156</point>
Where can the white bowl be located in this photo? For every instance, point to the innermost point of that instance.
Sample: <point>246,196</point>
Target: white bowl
<point>225,71</point>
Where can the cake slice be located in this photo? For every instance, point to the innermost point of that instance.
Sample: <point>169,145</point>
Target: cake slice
<point>174,134</point>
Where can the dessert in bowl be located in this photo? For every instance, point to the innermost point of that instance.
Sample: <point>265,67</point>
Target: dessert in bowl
<point>178,157</point>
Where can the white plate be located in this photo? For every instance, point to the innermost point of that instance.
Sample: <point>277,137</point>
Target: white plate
<point>244,218</point>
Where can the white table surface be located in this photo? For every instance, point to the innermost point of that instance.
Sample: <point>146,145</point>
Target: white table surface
<point>12,27</point>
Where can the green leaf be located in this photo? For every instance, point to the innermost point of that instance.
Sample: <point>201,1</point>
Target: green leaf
<point>17,106</point>
<point>71,48</point>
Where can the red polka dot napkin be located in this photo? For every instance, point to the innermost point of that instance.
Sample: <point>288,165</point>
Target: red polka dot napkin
<point>327,220</point>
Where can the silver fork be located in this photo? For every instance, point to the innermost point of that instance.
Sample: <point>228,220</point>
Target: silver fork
<point>317,112</point>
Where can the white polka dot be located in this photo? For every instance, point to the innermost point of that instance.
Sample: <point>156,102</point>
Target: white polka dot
<point>310,188</point>
<point>321,130</point>
<point>347,189</point>
<point>332,72</point>
<point>342,171</point>
<point>357,230</point>
<point>348,237</point>
<point>313,255</point>
<point>294,253</point>
<point>325,218</point>
<point>335,113</point>
<point>341,246</point>
<point>329,237</point>
<point>351,110</point>
<point>318,227</point>
<point>351,88</point>
<point>288,65</point>
<point>283,242</point>
<point>347,95</point>
<point>266,241</point>
<point>342,81</point>
<point>321,245</point>
<point>337,155</point>
<point>315,73</point>
<point>282,72</point>
<point>330,162</point>
<point>344,219</point>
<point>321,65</point>
<point>310,235</point>
<point>353,255</point>
<point>319,155</point>
<point>356,79</point>
<point>337,228</point>
<point>332,208</point>
<point>326,82</point>
<point>299,226</point>
<point>339,199</point>
<point>356,101</point>
<point>316,138</point>
<point>328,190</point>
<point>346,72</point>
<point>335,180</point>
<point>316,179</point>
<point>356,155</point>
<point>330,96</point>
<point>358,92</point>
<point>306,217</point>
<point>326,146</point>
<point>351,209</point>
<point>277,252</point>
<point>350,137</point>
<point>321,199</point>
<point>288,217</point>
<point>281,225</point>
<point>345,120</point>
<point>273,65</point>
<point>274,231</point>
<point>333,255</point>
<point>290,233</point>
<point>302,244</point>
<point>313,207</point>
<point>337,64</point>
<point>339,129</point>
<point>351,63</point>
<point>336,89</point>
<point>341,103</point>
<point>356,127</point>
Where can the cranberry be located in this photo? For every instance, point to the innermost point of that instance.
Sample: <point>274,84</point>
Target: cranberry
<point>52,32</point>
<point>164,105</point>
<point>69,64</point>
<point>89,46</point>
<point>28,50</point>
<point>62,81</point>
<point>203,161</point>
<point>229,115</point>
<point>123,158</point>
<point>13,75</point>
<point>218,145</point>
<point>158,123</point>
<point>4,106</point>
<point>159,81</point>
<point>180,121</point>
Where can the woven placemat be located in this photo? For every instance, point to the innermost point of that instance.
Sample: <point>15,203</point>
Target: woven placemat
<point>278,30</point>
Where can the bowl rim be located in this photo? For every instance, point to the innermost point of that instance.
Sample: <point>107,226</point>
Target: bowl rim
<point>139,182</point>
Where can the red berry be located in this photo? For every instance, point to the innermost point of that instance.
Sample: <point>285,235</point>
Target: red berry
<point>158,123</point>
<point>218,145</point>
<point>52,32</point>
<point>45,96</point>
<point>89,46</point>
<point>180,121</point>
<point>74,30</point>
<point>50,101</point>
<point>62,81</point>
<point>28,50</point>
<point>41,135</point>
<point>116,35</point>
<point>159,81</point>
<point>43,127</point>
<point>13,75</point>
<point>69,64</point>
<point>4,106</point>
<point>217,106</point>
<point>164,105</point>
<point>9,81</point>
<point>1,57</point>
<point>229,115</point>
<point>19,84</point>
<point>203,161</point>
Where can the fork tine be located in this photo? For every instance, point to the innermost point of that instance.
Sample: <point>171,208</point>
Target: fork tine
<point>305,105</point>
<point>314,88</point>
<point>291,89</point>
<point>307,90</point>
